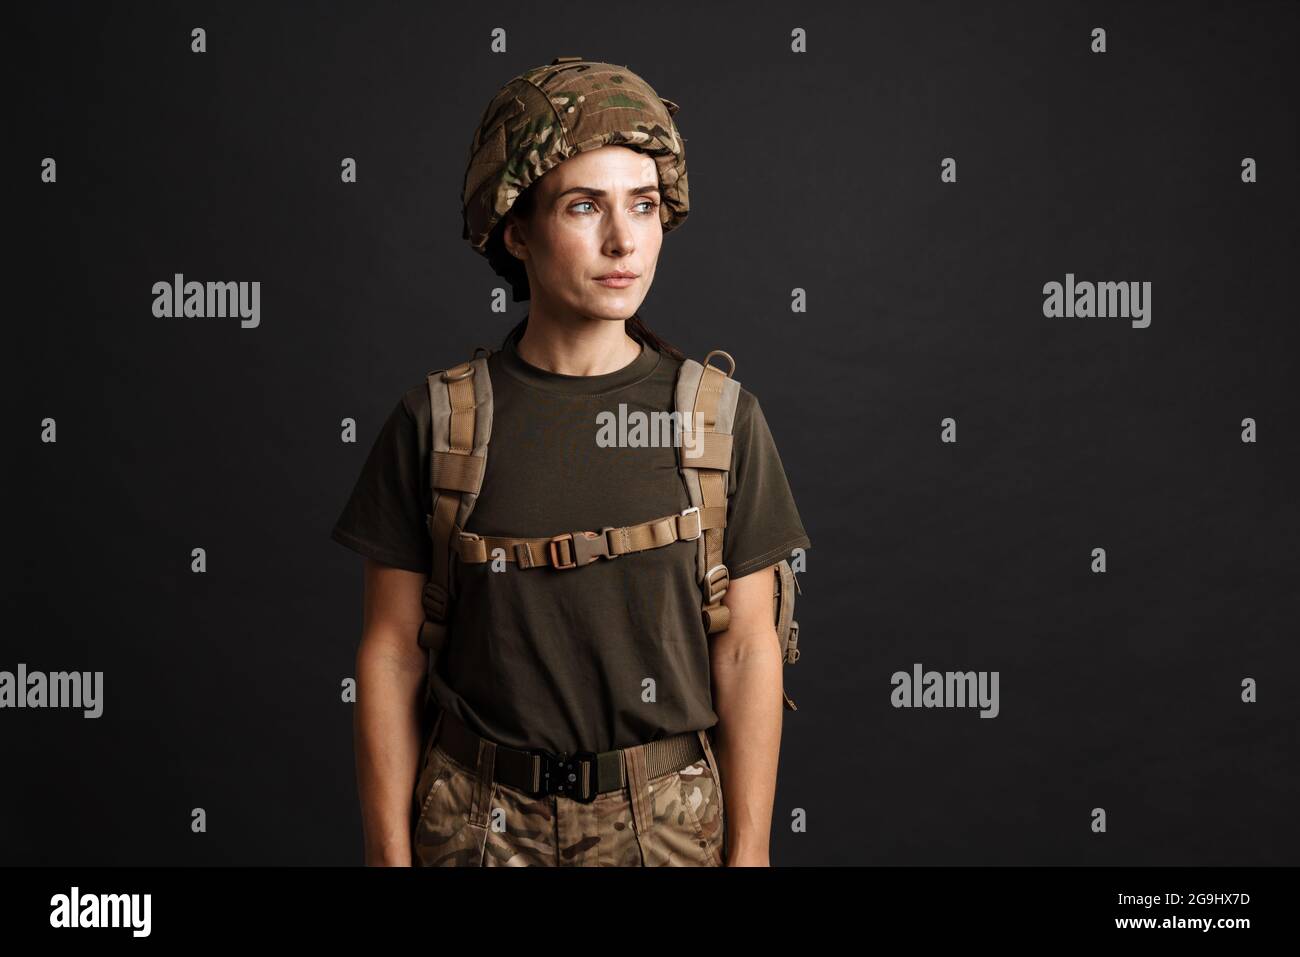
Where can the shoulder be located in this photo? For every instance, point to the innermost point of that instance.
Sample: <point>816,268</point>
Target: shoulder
<point>414,403</point>
<point>747,406</point>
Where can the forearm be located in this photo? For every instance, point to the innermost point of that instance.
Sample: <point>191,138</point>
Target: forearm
<point>387,743</point>
<point>747,682</point>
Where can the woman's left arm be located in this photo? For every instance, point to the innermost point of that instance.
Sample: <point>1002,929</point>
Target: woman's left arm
<point>747,680</point>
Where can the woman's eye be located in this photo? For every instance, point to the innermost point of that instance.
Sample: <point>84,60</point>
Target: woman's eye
<point>645,202</point>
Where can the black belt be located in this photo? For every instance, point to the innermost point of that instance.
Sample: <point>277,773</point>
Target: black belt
<point>580,775</point>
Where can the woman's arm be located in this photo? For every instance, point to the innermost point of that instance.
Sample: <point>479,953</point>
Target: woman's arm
<point>390,680</point>
<point>747,681</point>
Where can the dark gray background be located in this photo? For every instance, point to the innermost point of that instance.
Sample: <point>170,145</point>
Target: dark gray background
<point>818,171</point>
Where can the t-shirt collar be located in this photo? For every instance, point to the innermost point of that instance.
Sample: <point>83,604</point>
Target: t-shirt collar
<point>547,381</point>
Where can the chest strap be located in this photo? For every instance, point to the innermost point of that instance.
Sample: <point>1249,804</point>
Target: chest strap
<point>572,549</point>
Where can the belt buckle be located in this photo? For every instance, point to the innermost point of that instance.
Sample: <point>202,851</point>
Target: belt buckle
<point>561,773</point>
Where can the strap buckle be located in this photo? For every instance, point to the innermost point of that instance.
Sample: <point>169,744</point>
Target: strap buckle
<point>699,524</point>
<point>607,550</point>
<point>555,555</point>
<point>561,773</point>
<point>724,580</point>
<point>584,547</point>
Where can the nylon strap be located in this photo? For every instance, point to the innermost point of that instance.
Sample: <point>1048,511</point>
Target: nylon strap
<point>713,472</point>
<point>573,549</point>
<point>452,474</point>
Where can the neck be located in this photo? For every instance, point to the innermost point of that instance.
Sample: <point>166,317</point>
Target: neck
<point>576,345</point>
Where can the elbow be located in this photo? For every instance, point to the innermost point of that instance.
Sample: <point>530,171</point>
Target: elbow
<point>740,649</point>
<point>393,649</point>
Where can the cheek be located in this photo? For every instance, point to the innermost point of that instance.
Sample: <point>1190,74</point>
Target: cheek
<point>651,243</point>
<point>573,251</point>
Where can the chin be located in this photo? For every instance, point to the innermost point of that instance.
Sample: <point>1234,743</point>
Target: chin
<point>614,312</point>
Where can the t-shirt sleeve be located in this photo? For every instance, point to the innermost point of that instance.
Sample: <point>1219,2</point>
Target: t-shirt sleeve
<point>384,518</point>
<point>763,523</point>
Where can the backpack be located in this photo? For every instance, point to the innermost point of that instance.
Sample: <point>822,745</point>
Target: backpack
<point>460,399</point>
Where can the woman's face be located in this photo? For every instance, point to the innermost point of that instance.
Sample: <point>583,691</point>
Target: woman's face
<point>595,213</point>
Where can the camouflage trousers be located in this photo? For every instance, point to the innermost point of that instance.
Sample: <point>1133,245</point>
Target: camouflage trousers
<point>463,818</point>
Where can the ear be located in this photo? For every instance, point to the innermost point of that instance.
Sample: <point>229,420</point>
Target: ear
<point>512,238</point>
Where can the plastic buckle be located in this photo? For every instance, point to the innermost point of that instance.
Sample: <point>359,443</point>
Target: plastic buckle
<point>699,524</point>
<point>561,773</point>
<point>585,547</point>
<point>555,556</point>
<point>725,578</point>
<point>589,546</point>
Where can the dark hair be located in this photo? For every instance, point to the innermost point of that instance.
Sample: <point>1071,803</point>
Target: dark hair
<point>511,268</point>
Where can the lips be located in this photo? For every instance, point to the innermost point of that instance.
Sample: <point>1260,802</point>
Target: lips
<point>618,275</point>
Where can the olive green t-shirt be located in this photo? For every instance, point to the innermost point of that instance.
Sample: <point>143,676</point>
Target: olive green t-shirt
<point>558,659</point>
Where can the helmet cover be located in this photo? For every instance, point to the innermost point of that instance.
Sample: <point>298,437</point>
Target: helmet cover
<point>550,113</point>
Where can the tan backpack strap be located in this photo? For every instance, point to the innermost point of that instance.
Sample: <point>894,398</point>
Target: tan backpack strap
<point>574,549</point>
<point>704,458</point>
<point>787,629</point>
<point>460,402</point>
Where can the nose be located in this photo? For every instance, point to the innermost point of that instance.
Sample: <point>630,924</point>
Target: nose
<point>618,237</point>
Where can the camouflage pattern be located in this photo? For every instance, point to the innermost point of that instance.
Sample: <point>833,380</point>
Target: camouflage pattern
<point>519,830</point>
<point>550,113</point>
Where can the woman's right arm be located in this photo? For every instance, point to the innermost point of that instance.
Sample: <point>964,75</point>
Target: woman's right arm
<point>391,669</point>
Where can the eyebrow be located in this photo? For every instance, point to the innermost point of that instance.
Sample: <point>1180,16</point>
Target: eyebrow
<point>601,193</point>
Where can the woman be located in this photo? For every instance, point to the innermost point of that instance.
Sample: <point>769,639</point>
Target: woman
<point>601,678</point>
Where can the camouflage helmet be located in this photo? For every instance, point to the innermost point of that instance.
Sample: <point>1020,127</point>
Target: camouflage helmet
<point>550,113</point>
